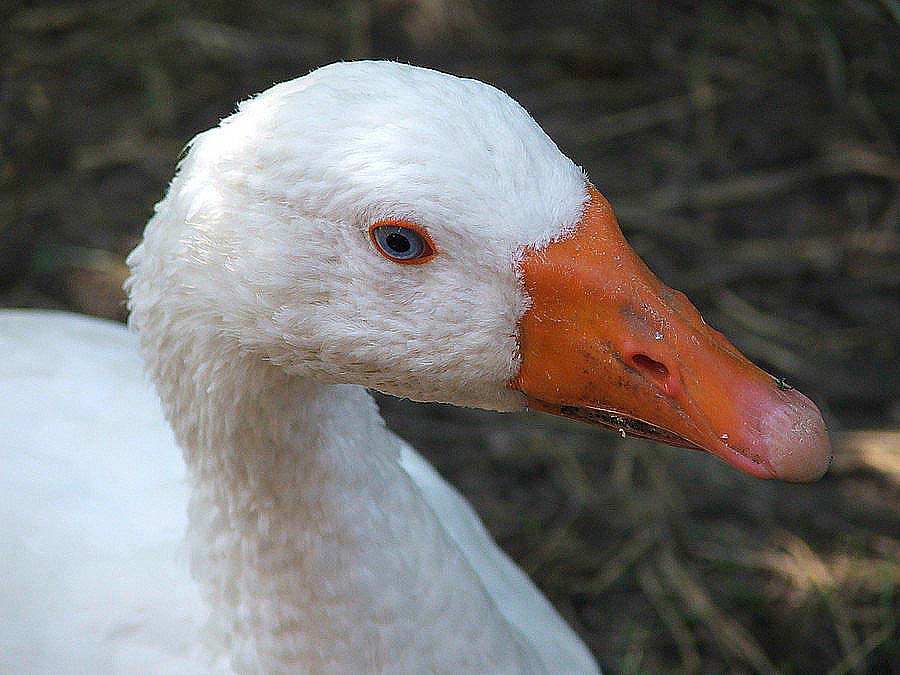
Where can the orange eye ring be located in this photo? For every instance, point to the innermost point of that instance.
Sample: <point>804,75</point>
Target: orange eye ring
<point>402,241</point>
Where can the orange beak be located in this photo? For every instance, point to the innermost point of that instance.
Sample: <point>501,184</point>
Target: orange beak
<point>605,341</point>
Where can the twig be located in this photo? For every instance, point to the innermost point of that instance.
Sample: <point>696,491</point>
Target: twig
<point>781,359</point>
<point>761,323</point>
<point>757,184</point>
<point>859,655</point>
<point>684,639</point>
<point>878,450</point>
<point>846,638</point>
<point>730,635</point>
<point>725,192</point>
<point>640,118</point>
<point>637,218</point>
<point>633,550</point>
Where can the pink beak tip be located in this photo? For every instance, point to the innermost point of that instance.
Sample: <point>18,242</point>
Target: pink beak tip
<point>795,439</point>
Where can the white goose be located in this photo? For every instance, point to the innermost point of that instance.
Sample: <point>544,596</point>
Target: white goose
<point>368,225</point>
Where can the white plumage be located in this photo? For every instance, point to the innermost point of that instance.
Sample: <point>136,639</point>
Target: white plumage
<point>317,540</point>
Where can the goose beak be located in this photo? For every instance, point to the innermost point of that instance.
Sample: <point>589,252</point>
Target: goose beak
<point>604,341</point>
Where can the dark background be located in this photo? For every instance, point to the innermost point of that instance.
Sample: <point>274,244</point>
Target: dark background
<point>750,150</point>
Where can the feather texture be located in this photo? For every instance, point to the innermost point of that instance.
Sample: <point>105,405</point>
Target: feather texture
<point>317,541</point>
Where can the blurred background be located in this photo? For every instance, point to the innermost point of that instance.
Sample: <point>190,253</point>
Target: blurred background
<point>751,152</point>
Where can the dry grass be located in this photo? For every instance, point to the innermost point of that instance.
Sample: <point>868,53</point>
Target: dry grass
<point>750,149</point>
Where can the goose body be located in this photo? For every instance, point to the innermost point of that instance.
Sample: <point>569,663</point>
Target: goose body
<point>95,559</point>
<point>244,508</point>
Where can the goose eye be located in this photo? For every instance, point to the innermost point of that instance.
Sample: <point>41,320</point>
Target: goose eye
<point>402,241</point>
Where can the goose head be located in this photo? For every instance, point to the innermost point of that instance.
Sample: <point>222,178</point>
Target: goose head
<point>417,233</point>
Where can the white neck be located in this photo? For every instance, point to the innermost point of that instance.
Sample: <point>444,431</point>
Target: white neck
<point>315,549</point>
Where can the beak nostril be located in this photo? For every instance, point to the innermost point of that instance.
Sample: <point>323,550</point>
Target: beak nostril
<point>650,368</point>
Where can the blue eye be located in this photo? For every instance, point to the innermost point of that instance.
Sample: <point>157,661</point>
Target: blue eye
<point>401,241</point>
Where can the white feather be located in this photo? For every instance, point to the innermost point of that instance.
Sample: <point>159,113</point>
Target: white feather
<point>317,540</point>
